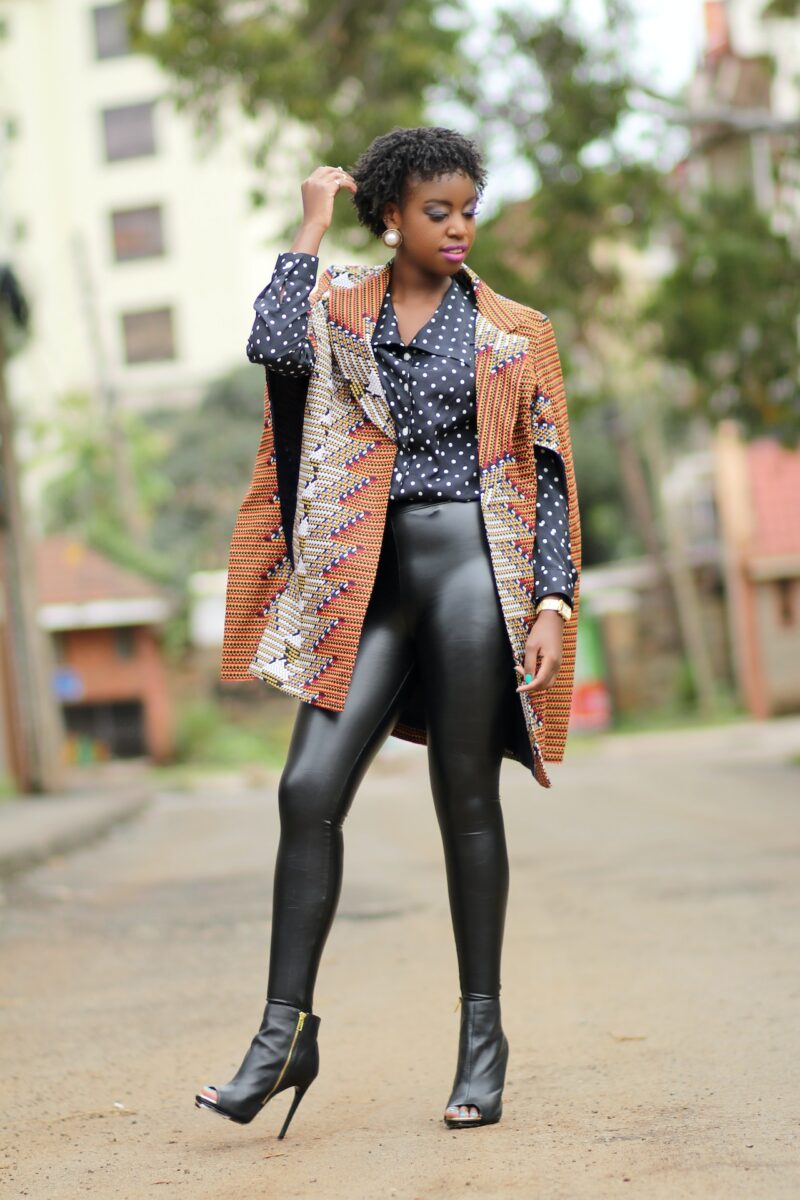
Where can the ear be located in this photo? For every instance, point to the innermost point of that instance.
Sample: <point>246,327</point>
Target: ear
<point>391,213</point>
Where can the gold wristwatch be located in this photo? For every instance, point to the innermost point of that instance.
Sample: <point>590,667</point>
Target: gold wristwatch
<point>556,602</point>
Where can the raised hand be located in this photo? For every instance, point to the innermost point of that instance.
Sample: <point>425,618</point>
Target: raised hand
<point>319,192</point>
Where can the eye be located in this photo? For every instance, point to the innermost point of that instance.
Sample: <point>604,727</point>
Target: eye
<point>434,216</point>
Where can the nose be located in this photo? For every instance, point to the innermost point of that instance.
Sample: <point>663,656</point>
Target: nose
<point>457,230</point>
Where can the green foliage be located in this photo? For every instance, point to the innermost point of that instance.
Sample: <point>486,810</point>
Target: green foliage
<point>207,734</point>
<point>9,789</point>
<point>344,70</point>
<point>605,528</point>
<point>189,470</point>
<point>782,8</point>
<point>211,451</point>
<point>561,102</point>
<point>83,493</point>
<point>728,312</point>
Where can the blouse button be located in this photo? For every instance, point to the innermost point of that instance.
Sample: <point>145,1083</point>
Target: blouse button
<point>406,355</point>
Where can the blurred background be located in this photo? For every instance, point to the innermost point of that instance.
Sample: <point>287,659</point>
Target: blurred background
<point>644,192</point>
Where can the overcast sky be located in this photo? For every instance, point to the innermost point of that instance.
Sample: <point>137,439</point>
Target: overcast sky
<point>670,37</point>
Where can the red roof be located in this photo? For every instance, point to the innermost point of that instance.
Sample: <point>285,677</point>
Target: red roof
<point>775,485</point>
<point>70,572</point>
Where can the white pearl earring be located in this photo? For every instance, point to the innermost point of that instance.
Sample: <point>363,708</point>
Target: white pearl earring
<point>392,237</point>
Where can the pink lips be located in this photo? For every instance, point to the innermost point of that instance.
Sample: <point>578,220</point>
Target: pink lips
<point>455,254</point>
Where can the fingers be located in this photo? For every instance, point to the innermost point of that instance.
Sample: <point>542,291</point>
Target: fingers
<point>542,655</point>
<point>343,178</point>
<point>543,677</point>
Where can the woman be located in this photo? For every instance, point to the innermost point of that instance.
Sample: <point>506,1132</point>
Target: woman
<point>413,418</point>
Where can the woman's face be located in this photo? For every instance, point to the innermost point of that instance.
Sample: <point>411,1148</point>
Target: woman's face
<point>437,215</point>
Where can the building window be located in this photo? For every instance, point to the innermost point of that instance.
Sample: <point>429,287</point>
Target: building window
<point>785,590</point>
<point>129,131</point>
<point>125,641</point>
<point>137,233</point>
<point>148,335</point>
<point>110,31</point>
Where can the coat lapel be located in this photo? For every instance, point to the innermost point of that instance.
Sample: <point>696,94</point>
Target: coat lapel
<point>355,302</point>
<point>353,308</point>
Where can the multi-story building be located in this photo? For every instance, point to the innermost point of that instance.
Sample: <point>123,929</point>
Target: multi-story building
<point>138,247</point>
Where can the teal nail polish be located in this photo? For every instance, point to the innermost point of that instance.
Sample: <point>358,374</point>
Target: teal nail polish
<point>528,678</point>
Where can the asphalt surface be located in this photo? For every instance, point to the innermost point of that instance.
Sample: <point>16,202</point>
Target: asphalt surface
<point>650,993</point>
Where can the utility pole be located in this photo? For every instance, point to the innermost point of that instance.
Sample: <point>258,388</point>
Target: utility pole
<point>687,601</point>
<point>35,722</point>
<point>130,512</point>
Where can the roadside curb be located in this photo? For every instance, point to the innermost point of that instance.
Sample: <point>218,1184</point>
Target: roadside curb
<point>34,828</point>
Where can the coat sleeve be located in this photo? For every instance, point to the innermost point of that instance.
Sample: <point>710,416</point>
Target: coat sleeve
<point>553,568</point>
<point>551,431</point>
<point>558,542</point>
<point>279,338</point>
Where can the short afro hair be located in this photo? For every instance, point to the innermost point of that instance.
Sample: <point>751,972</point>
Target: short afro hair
<point>392,159</point>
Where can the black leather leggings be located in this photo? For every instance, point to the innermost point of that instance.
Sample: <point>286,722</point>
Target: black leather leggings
<point>434,603</point>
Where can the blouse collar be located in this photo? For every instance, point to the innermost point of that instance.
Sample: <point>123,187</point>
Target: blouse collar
<point>449,333</point>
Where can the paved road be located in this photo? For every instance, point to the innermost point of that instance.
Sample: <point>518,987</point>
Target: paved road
<point>650,995</point>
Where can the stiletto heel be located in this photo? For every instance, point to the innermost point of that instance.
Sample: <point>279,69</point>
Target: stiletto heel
<point>482,1060</point>
<point>299,1092</point>
<point>283,1054</point>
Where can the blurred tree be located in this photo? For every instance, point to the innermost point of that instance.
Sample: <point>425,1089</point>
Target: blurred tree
<point>189,470</point>
<point>82,495</point>
<point>782,8</point>
<point>210,461</point>
<point>560,105</point>
<point>728,312</point>
<point>343,70</point>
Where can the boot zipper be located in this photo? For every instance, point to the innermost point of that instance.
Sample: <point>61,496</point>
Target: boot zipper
<point>300,1022</point>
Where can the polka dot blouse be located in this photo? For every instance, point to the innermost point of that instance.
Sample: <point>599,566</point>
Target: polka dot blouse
<point>430,389</point>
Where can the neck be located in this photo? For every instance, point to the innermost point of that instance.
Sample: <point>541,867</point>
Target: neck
<point>408,282</point>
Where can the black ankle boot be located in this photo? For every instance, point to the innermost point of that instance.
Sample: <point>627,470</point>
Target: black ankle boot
<point>482,1059</point>
<point>284,1053</point>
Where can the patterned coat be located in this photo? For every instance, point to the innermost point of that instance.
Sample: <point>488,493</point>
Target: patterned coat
<point>295,604</point>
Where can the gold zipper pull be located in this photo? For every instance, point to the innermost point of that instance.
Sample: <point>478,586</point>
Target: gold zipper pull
<point>302,1020</point>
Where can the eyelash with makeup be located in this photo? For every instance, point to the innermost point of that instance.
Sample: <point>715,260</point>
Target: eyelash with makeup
<point>442,216</point>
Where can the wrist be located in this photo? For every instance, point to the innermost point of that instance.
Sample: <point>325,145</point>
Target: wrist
<point>555,603</point>
<point>308,237</point>
<point>547,625</point>
<point>548,616</point>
